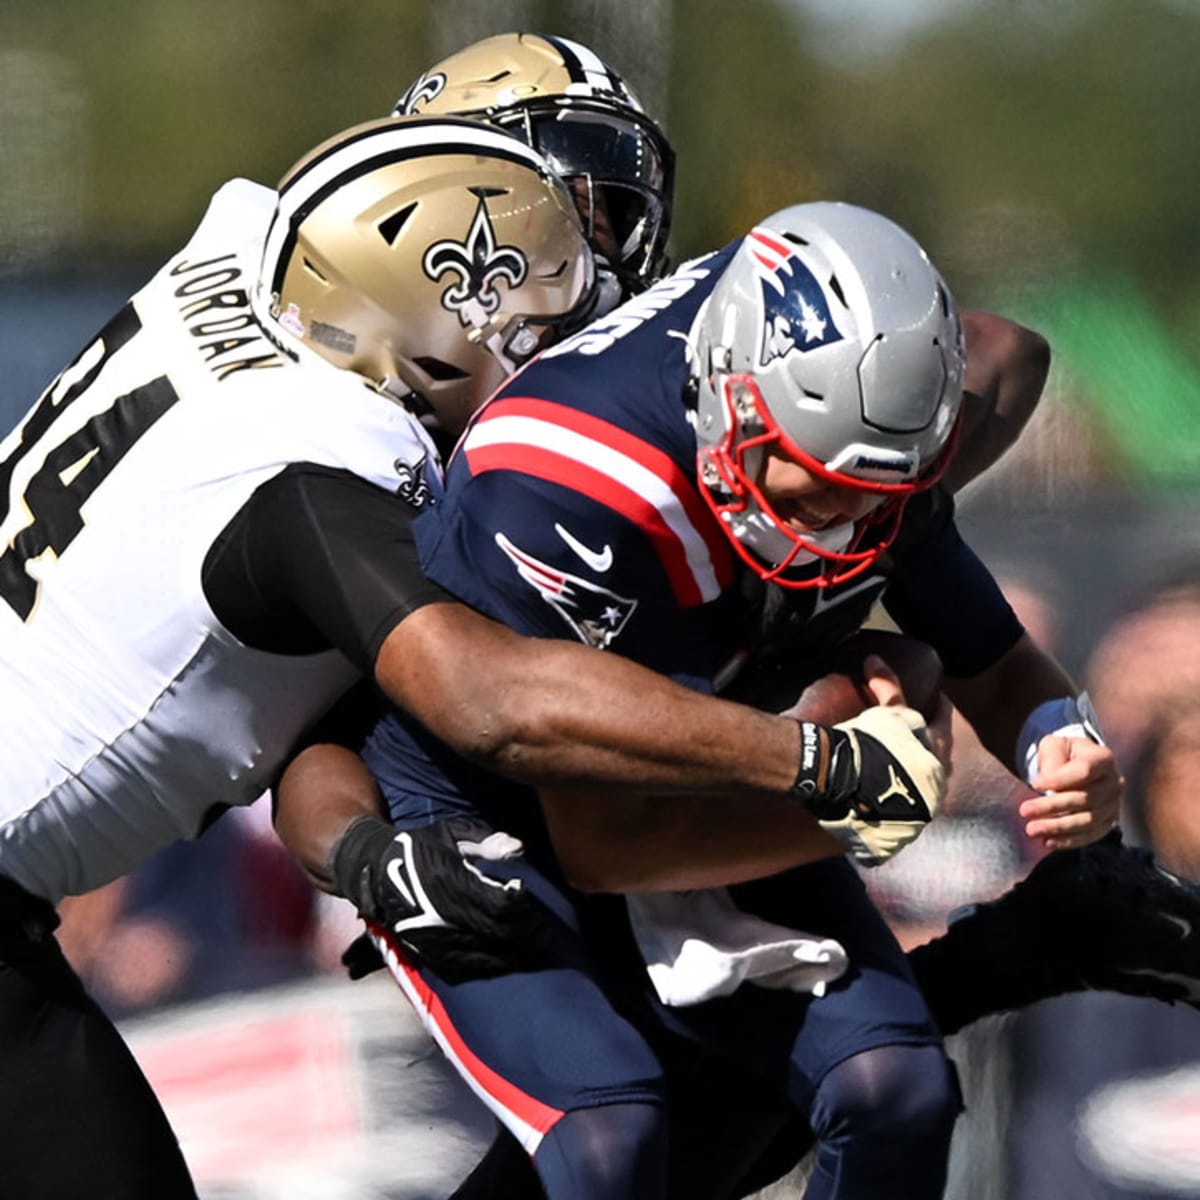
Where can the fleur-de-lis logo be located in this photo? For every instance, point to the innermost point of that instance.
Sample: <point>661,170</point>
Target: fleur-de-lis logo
<point>479,263</point>
<point>413,486</point>
<point>421,92</point>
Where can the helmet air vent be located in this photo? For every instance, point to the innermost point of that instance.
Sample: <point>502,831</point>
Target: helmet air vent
<point>390,227</point>
<point>439,370</point>
<point>313,269</point>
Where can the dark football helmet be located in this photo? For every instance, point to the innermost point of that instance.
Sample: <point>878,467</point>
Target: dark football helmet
<point>560,98</point>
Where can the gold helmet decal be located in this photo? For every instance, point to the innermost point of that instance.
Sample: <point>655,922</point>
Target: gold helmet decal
<point>479,265</point>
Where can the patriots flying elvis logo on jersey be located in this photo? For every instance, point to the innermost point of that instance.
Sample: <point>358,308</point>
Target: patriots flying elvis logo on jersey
<point>796,314</point>
<point>596,614</point>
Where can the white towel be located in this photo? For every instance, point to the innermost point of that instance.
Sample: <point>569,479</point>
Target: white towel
<point>699,944</point>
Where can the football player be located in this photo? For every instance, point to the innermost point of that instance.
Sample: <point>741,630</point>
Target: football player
<point>776,405</point>
<point>206,532</point>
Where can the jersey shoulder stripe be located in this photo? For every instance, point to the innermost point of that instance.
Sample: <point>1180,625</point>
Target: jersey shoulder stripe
<point>615,468</point>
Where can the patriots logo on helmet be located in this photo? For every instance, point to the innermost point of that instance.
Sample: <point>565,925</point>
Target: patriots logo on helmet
<point>796,312</point>
<point>596,615</point>
<point>480,263</point>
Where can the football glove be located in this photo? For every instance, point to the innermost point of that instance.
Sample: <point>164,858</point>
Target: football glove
<point>423,887</point>
<point>872,781</point>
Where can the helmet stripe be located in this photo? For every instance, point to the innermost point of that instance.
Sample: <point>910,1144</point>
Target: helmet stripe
<point>375,147</point>
<point>584,66</point>
<point>616,469</point>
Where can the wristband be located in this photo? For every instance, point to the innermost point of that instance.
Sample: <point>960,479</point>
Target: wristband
<point>1068,716</point>
<point>813,775</point>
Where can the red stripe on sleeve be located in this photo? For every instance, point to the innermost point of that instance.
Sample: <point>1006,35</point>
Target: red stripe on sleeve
<point>543,463</point>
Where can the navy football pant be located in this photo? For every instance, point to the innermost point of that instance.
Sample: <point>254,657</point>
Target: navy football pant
<point>549,1049</point>
<point>77,1117</point>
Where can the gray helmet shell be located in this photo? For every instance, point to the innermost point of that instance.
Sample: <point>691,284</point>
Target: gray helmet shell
<point>839,321</point>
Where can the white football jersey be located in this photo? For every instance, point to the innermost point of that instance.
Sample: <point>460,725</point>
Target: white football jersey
<point>126,710</point>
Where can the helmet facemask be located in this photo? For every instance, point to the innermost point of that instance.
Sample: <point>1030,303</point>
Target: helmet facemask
<point>730,474</point>
<point>620,169</point>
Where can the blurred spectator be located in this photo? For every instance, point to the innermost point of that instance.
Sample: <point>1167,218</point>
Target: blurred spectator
<point>228,912</point>
<point>1149,661</point>
<point>1123,1075</point>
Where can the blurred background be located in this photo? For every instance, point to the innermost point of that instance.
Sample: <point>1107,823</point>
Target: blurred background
<point>1045,154</point>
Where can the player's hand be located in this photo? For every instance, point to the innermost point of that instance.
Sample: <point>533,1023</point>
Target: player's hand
<point>876,780</point>
<point>1081,793</point>
<point>424,888</point>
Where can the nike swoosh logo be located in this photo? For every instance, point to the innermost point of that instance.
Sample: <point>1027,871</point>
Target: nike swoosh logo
<point>1182,923</point>
<point>822,603</point>
<point>395,874</point>
<point>599,561</point>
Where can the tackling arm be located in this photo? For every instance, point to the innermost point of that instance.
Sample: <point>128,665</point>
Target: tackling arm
<point>324,788</point>
<point>552,712</point>
<point>621,843</point>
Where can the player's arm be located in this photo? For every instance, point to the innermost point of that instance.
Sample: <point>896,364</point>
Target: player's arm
<point>1011,691</point>
<point>320,558</point>
<point>1030,714</point>
<point>1006,370</point>
<point>550,711</point>
<point>322,790</point>
<point>621,843</point>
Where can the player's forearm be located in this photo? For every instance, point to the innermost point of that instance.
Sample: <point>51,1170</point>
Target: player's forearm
<point>997,700</point>
<point>610,843</point>
<point>548,711</point>
<point>323,789</point>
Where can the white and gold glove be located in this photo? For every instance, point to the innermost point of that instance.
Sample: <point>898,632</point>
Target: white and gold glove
<point>872,781</point>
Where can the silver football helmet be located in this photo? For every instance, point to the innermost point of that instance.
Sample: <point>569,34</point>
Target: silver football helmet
<point>560,98</point>
<point>830,338</point>
<point>432,256</point>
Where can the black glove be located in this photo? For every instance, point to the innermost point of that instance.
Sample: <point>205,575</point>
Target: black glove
<point>872,781</point>
<point>423,887</point>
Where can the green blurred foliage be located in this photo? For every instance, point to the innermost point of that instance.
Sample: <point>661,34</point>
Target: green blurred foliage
<point>1027,145</point>
<point>1017,141</point>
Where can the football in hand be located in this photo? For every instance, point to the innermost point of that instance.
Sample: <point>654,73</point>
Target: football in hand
<point>787,684</point>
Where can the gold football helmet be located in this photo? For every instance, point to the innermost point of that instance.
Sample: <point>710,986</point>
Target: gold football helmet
<point>432,256</point>
<point>561,99</point>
